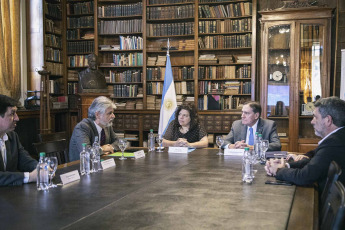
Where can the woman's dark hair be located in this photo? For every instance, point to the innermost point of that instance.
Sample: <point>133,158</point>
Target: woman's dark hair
<point>194,118</point>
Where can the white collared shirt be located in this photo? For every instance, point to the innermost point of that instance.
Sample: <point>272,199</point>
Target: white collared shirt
<point>254,131</point>
<point>4,158</point>
<point>99,130</point>
<point>330,134</point>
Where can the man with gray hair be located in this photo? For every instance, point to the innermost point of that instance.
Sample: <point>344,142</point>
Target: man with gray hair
<point>99,123</point>
<point>328,123</point>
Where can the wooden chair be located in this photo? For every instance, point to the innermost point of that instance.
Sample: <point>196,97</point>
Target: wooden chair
<point>333,213</point>
<point>56,148</point>
<point>44,137</point>
<point>334,172</point>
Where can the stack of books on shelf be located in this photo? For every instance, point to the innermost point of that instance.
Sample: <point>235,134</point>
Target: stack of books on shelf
<point>243,59</point>
<point>231,87</point>
<point>151,61</point>
<point>72,75</point>
<point>208,59</point>
<point>120,135</point>
<point>150,101</point>
<point>131,137</point>
<point>130,105</point>
<point>161,60</point>
<point>60,102</point>
<point>186,45</point>
<point>109,47</point>
<point>179,99</point>
<point>120,105</point>
<point>158,104</point>
<point>88,35</point>
<point>225,59</point>
<point>139,104</point>
<point>190,100</point>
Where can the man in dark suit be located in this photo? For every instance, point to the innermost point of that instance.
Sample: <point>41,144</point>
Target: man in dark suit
<point>328,123</point>
<point>16,165</point>
<point>242,133</point>
<point>99,123</point>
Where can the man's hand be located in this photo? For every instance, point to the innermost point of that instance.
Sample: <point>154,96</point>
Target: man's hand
<point>273,165</point>
<point>238,145</point>
<point>108,148</point>
<point>296,157</point>
<point>33,176</point>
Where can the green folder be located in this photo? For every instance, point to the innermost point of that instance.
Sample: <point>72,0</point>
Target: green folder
<point>119,154</point>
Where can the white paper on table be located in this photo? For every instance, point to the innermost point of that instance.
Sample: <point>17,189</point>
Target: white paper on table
<point>178,150</point>
<point>233,152</point>
<point>108,163</point>
<point>70,177</point>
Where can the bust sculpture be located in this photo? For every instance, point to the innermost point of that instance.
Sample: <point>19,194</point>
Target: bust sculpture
<point>92,80</point>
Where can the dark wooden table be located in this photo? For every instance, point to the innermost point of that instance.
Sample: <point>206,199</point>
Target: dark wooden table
<point>161,191</point>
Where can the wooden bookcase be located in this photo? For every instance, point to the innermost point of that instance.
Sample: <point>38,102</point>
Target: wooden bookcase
<point>296,60</point>
<point>136,84</point>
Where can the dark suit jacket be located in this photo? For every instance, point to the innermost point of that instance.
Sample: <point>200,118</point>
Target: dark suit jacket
<point>267,128</point>
<point>308,171</point>
<point>18,162</point>
<point>85,132</point>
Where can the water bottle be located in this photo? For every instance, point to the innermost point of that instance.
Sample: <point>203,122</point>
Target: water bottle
<point>42,173</point>
<point>151,141</point>
<point>97,148</point>
<point>84,161</point>
<point>247,167</point>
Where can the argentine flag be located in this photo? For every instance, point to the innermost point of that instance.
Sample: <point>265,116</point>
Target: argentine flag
<point>169,104</point>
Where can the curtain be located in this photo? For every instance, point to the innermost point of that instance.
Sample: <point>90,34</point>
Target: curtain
<point>10,48</point>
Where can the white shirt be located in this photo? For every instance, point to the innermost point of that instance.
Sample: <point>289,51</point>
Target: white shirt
<point>329,134</point>
<point>99,130</point>
<point>4,158</point>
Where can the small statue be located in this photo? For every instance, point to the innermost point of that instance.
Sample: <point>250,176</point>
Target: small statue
<point>92,80</point>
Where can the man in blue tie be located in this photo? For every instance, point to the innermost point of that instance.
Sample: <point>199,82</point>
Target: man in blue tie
<point>242,133</point>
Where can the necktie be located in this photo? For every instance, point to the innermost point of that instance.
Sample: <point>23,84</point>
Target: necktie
<point>102,137</point>
<point>251,137</point>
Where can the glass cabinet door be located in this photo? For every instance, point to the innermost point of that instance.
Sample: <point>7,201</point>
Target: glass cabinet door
<point>278,71</point>
<point>311,66</point>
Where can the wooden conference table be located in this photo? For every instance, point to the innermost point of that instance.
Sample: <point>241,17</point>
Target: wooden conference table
<point>161,191</point>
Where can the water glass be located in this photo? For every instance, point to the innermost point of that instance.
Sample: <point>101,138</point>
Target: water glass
<point>52,163</point>
<point>122,143</point>
<point>159,140</point>
<point>219,142</point>
<point>264,148</point>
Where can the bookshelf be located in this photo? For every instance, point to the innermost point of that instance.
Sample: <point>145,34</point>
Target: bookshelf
<point>120,49</point>
<point>212,53</point>
<point>80,38</point>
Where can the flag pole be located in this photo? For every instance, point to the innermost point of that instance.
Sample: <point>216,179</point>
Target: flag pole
<point>168,47</point>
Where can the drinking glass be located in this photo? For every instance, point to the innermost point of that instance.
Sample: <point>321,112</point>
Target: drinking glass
<point>122,143</point>
<point>220,142</point>
<point>264,147</point>
<point>159,140</point>
<point>52,163</point>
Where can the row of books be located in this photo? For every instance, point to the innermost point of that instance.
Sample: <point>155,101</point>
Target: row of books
<point>167,29</point>
<point>53,40</point>
<point>184,87</point>
<point>77,61</point>
<point>130,105</point>
<point>170,12</point>
<point>80,47</point>
<point>53,54</point>
<point>53,10</point>
<point>160,60</point>
<point>219,102</point>
<point>79,8</point>
<point>79,34</point>
<point>81,22</point>
<point>72,87</point>
<point>120,10</point>
<point>120,26</point>
<point>125,76</point>
<point>244,72</point>
<point>55,86</point>
<point>153,102</point>
<point>128,59</point>
<point>226,87</point>
<point>51,27</point>
<point>224,11</point>
<point>216,72</point>
<point>54,68</point>
<point>221,41</point>
<point>72,75</point>
<point>152,2</point>
<point>179,73</point>
<point>125,90</point>
<point>225,26</point>
<point>131,43</point>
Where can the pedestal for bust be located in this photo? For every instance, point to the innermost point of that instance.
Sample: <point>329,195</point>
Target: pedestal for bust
<point>86,99</point>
